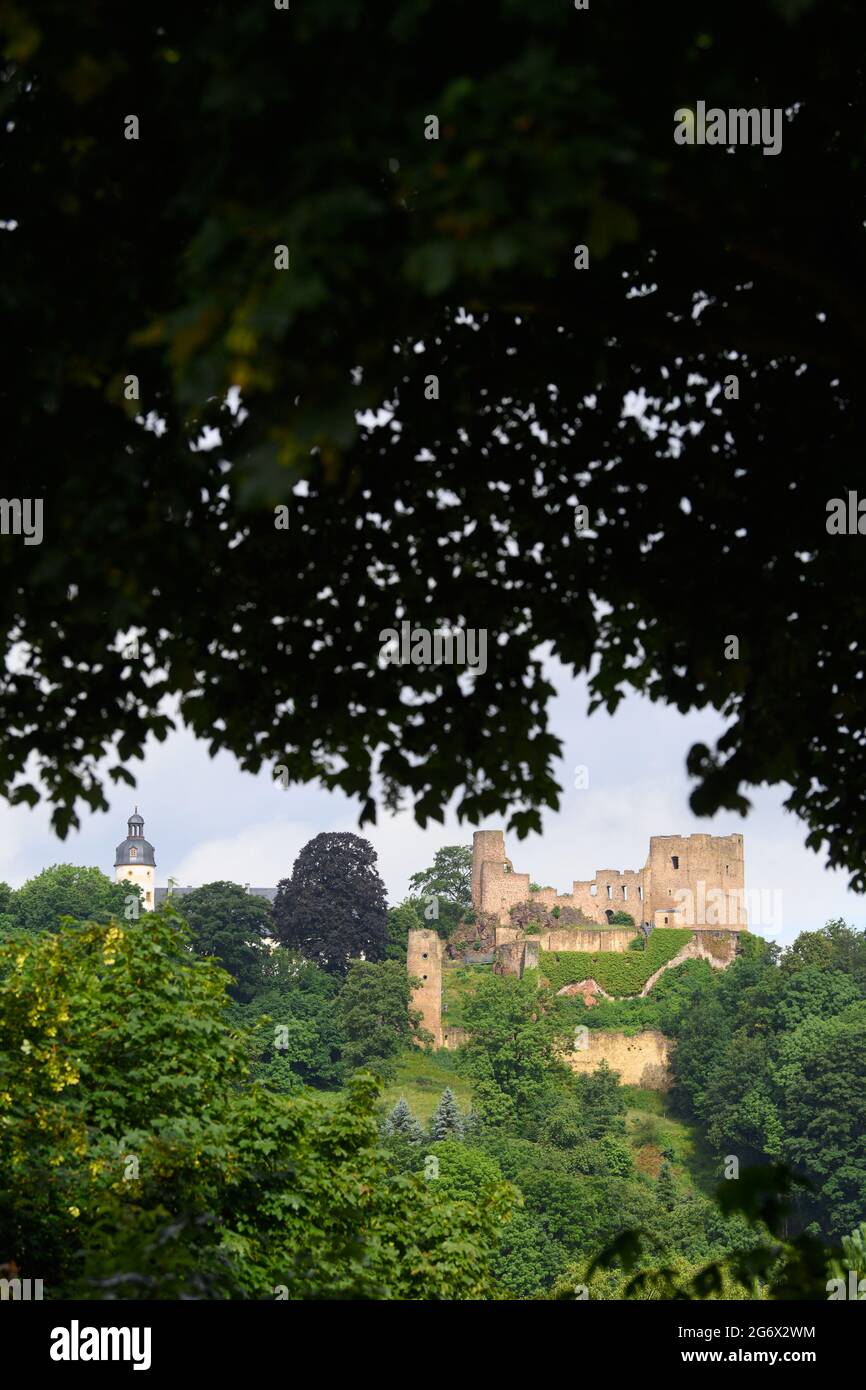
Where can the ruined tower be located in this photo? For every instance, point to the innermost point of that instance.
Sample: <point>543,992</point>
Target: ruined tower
<point>709,868</point>
<point>492,890</point>
<point>424,961</point>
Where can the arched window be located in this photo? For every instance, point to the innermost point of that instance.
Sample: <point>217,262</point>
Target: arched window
<point>133,852</point>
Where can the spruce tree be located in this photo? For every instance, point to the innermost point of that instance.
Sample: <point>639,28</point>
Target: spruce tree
<point>447,1119</point>
<point>402,1121</point>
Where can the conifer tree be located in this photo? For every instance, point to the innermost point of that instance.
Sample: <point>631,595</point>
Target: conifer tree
<point>447,1119</point>
<point>402,1121</point>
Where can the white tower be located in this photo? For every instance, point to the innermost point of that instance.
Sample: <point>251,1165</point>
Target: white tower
<point>135,861</point>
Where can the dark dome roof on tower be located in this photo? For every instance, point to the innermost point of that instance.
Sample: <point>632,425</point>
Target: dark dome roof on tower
<point>144,852</point>
<point>135,849</point>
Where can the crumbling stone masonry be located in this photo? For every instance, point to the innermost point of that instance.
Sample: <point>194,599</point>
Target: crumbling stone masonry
<point>708,866</point>
<point>641,1059</point>
<point>704,865</point>
<point>514,957</point>
<point>424,961</point>
<point>617,939</point>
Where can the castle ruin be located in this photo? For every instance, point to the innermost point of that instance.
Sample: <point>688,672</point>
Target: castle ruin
<point>688,881</point>
<point>694,881</point>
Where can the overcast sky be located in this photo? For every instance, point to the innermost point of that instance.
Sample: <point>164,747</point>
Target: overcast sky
<point>208,820</point>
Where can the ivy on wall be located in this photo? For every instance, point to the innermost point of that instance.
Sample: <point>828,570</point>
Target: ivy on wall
<point>617,972</point>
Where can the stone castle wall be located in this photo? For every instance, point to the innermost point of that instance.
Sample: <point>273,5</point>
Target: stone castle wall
<point>702,864</point>
<point>571,938</point>
<point>714,861</point>
<point>642,1059</point>
<point>710,867</point>
<point>424,961</point>
<point>515,956</point>
<point>452,1038</point>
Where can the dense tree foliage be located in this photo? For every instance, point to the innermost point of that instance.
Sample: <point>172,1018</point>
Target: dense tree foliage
<point>562,1141</point>
<point>67,890</point>
<point>439,900</point>
<point>375,1014</point>
<point>229,923</point>
<point>137,1159</point>
<point>401,920</point>
<point>296,1036</point>
<point>445,889</point>
<point>333,907</point>
<point>509,1050</point>
<point>555,130</point>
<point>772,1061</point>
<point>160,1139</point>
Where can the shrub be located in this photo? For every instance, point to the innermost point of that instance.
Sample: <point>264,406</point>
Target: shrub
<point>647,1130</point>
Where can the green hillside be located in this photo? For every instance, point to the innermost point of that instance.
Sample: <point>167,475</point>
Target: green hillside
<point>422,1077</point>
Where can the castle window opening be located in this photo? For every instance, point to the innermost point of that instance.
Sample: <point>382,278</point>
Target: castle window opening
<point>609,891</point>
<point>640,891</point>
<point>624,891</point>
<point>675,860</point>
<point>423,955</point>
<point>593,890</point>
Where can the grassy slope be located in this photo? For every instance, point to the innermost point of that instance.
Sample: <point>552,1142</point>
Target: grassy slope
<point>652,1128</point>
<point>421,1078</point>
